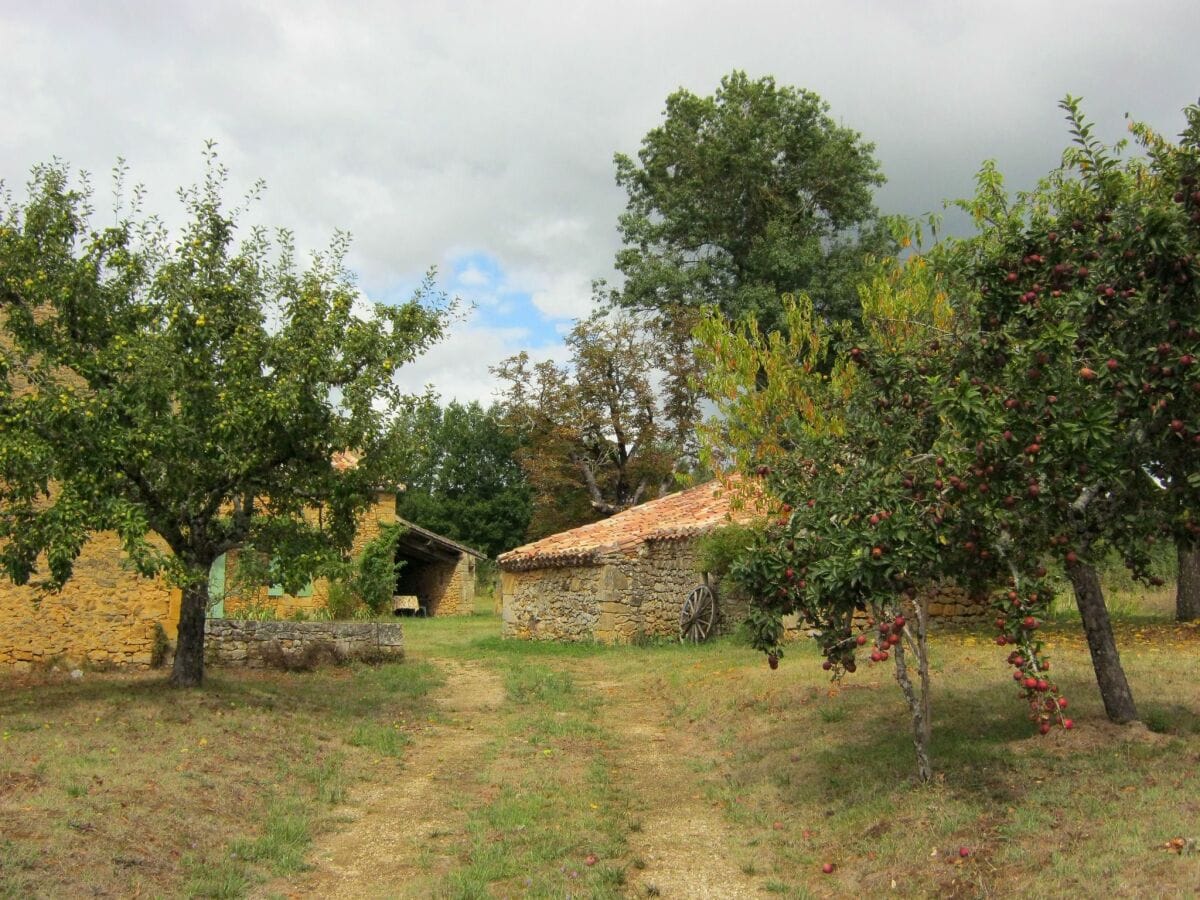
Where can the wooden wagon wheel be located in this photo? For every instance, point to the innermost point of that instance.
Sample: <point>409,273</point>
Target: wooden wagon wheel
<point>698,616</point>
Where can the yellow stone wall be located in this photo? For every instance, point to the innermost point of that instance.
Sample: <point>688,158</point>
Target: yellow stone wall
<point>106,614</point>
<point>459,596</point>
<point>444,588</point>
<point>284,606</point>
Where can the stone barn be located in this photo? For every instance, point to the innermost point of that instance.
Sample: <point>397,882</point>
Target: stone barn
<point>621,579</point>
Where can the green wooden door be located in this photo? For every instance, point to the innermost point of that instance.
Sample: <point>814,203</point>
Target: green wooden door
<point>216,588</point>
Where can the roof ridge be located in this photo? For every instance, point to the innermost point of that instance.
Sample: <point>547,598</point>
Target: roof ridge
<point>678,515</point>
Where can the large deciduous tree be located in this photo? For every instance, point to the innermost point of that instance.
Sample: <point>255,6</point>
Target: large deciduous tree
<point>191,389</point>
<point>596,436</point>
<point>742,196</point>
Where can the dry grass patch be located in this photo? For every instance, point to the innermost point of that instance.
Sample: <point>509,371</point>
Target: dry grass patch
<point>813,774</point>
<point>120,785</point>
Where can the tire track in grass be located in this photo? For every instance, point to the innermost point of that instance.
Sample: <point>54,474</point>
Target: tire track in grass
<point>685,847</point>
<point>395,824</point>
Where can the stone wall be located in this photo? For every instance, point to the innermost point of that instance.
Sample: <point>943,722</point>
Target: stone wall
<point>299,645</point>
<point>551,604</point>
<point>104,616</point>
<point>444,588</point>
<point>459,597</point>
<point>382,511</point>
<point>371,520</point>
<point>619,599</point>
<point>949,604</point>
<point>666,572</point>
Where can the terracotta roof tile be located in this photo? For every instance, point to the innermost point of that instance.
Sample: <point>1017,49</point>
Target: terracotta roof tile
<point>673,517</point>
<point>345,459</point>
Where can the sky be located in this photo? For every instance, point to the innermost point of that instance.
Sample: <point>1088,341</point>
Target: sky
<point>478,137</point>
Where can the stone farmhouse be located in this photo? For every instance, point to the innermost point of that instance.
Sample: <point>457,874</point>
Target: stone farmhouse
<point>620,579</point>
<point>106,615</point>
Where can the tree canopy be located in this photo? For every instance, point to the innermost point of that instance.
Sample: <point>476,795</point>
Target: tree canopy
<point>743,196</point>
<point>597,435</point>
<point>460,474</point>
<point>193,388</point>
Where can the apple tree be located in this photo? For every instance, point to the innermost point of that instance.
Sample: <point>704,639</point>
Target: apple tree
<point>1051,408</point>
<point>188,393</point>
<point>1090,333</point>
<point>842,423</point>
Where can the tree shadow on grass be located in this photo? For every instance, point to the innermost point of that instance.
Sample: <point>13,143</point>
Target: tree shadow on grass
<point>341,692</point>
<point>861,748</point>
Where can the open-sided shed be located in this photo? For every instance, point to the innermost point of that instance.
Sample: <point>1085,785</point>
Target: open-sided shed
<point>439,572</point>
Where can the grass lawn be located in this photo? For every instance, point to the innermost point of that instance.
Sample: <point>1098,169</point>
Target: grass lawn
<point>117,785</point>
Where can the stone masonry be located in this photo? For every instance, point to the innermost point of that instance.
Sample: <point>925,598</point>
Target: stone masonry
<point>552,604</point>
<point>620,599</point>
<point>257,645</point>
<point>626,578</point>
<point>106,614</point>
<point>622,579</point>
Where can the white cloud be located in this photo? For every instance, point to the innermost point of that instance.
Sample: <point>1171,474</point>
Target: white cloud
<point>491,125</point>
<point>564,295</point>
<point>457,367</point>
<point>473,276</point>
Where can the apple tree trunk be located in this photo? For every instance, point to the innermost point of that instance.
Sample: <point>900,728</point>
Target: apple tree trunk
<point>188,670</point>
<point>1187,591</point>
<point>1110,677</point>
<point>918,703</point>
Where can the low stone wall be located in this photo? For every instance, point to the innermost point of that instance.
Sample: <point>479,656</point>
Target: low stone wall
<point>299,645</point>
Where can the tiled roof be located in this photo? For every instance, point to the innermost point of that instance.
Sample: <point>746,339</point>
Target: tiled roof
<point>673,517</point>
<point>439,539</point>
<point>345,459</point>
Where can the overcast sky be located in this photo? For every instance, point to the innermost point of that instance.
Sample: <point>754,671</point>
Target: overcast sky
<point>478,137</point>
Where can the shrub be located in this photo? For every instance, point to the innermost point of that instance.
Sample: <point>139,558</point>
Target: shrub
<point>372,576</point>
<point>342,604</point>
<point>718,550</point>
<point>159,647</point>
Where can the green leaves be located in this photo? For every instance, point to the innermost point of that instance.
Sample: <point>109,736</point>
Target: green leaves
<point>194,387</point>
<point>461,474</point>
<point>596,436</point>
<point>745,195</point>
